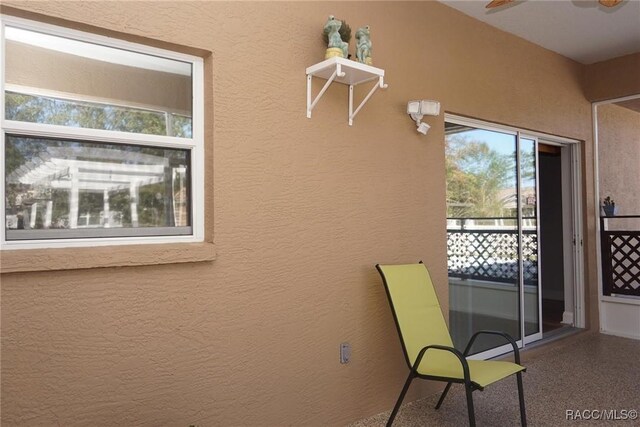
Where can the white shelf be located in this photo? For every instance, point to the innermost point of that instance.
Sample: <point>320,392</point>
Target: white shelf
<point>355,72</point>
<point>347,72</point>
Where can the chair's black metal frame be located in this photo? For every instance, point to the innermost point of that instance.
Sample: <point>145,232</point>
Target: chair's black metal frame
<point>469,385</point>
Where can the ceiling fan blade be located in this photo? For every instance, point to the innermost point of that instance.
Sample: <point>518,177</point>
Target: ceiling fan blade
<point>498,3</point>
<point>609,3</point>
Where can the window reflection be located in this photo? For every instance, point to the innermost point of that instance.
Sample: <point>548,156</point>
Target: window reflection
<point>482,234</point>
<point>57,80</point>
<point>70,185</point>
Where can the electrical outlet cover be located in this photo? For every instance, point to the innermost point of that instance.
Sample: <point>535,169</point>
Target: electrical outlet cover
<point>345,352</point>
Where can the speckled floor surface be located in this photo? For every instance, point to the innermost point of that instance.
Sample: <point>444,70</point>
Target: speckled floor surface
<point>585,371</point>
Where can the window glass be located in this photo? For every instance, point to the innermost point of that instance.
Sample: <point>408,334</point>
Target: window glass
<point>55,80</point>
<point>58,188</point>
<point>98,140</point>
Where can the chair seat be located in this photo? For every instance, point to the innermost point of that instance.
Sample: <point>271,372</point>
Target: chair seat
<point>482,372</point>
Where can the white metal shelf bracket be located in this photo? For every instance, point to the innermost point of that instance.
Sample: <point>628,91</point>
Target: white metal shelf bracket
<point>311,105</point>
<point>352,114</point>
<point>347,72</point>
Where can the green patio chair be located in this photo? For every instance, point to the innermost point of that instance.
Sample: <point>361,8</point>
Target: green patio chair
<point>427,344</point>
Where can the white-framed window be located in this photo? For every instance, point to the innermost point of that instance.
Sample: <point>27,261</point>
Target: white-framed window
<point>102,140</point>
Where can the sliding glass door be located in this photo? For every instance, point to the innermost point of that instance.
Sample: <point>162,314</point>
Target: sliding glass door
<point>492,234</point>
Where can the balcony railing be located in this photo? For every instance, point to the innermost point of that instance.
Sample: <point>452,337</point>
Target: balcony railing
<point>487,249</point>
<point>620,248</point>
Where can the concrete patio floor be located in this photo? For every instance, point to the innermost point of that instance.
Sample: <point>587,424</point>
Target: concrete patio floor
<point>586,371</point>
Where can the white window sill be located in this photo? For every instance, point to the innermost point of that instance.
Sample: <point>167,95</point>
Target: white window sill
<point>19,261</point>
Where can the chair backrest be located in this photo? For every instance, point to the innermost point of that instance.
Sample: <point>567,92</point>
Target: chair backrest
<point>415,308</point>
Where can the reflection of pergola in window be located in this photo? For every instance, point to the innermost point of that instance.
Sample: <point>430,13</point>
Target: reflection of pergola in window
<point>101,170</point>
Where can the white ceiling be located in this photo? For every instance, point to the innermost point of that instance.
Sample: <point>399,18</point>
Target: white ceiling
<point>582,30</point>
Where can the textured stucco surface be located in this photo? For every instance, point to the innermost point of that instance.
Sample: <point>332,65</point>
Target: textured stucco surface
<point>619,157</point>
<point>613,78</point>
<point>302,210</point>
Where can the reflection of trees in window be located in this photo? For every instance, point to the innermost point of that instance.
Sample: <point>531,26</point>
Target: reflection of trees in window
<point>181,126</point>
<point>120,202</point>
<point>528,164</point>
<point>18,152</point>
<point>60,216</point>
<point>154,206</point>
<point>90,212</point>
<point>528,177</point>
<point>478,179</point>
<point>55,111</point>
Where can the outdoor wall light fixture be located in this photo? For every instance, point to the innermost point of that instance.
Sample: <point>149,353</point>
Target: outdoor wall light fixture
<point>424,107</point>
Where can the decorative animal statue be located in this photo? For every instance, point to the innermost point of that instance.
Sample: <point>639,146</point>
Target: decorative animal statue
<point>331,28</point>
<point>363,45</point>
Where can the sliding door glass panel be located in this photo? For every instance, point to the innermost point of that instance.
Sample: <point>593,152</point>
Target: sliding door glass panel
<point>482,234</point>
<point>530,265</point>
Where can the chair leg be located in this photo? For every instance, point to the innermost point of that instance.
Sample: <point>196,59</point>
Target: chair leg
<point>444,394</point>
<point>472,415</point>
<point>400,398</point>
<point>523,414</point>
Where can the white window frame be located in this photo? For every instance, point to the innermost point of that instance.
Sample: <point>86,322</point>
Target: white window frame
<point>195,144</point>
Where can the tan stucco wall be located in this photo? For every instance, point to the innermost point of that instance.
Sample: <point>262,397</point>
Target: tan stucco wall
<point>613,78</point>
<point>303,209</point>
<point>619,157</point>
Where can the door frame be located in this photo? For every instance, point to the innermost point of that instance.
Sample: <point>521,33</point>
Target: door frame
<point>575,177</point>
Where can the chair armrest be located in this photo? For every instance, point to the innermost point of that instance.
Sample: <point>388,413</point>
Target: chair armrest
<point>460,356</point>
<point>516,351</point>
